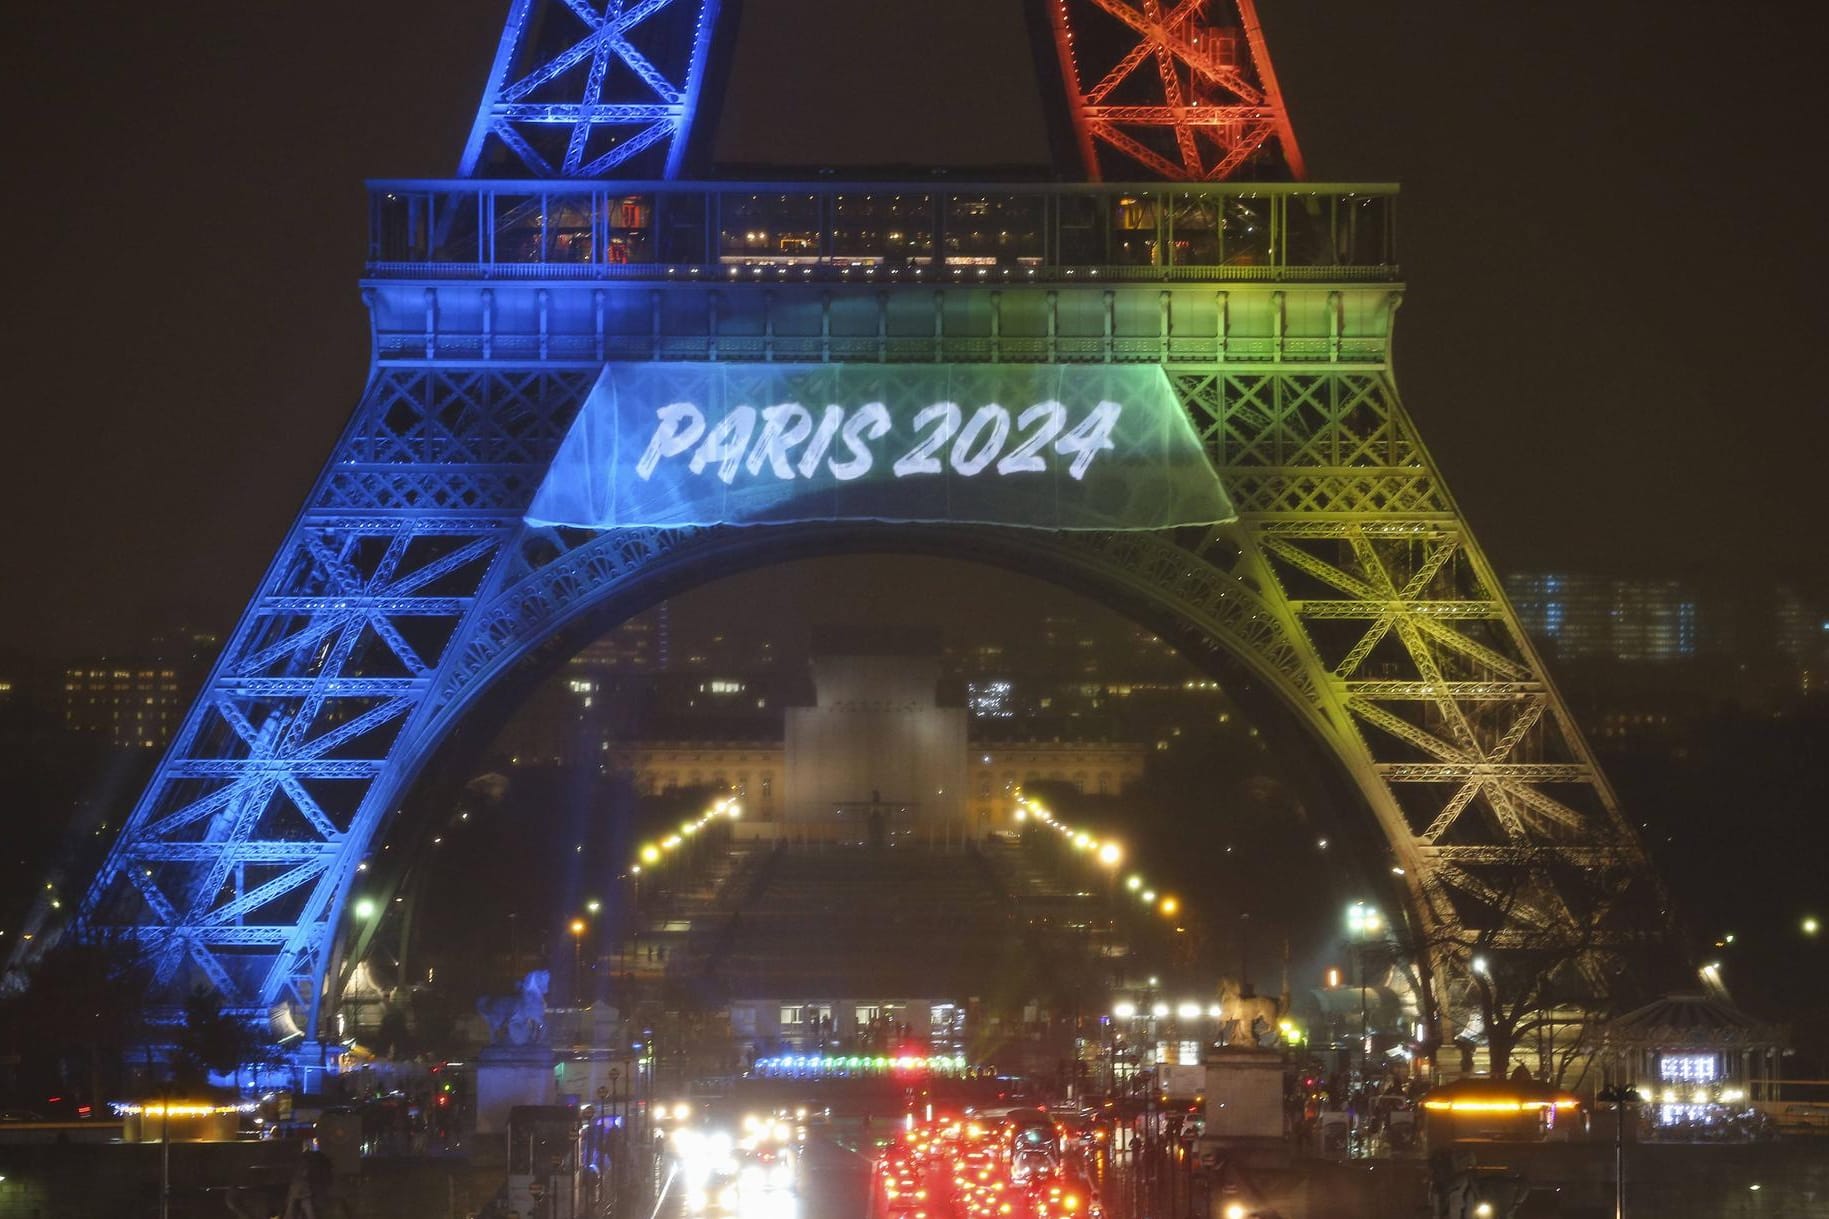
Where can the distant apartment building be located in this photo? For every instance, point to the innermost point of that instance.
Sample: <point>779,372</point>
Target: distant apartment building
<point>1801,637</point>
<point>132,704</point>
<point>1585,617</point>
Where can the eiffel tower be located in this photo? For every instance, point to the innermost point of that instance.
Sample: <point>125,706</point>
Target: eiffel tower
<point>1348,597</point>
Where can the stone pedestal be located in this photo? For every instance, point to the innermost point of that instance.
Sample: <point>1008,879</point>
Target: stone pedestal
<point>507,1076</point>
<point>1244,1096</point>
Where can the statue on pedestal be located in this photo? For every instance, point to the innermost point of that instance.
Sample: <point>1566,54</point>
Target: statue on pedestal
<point>518,1020</point>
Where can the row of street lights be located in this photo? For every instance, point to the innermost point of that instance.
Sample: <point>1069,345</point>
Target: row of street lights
<point>653,853</point>
<point>366,908</point>
<point>1108,853</point>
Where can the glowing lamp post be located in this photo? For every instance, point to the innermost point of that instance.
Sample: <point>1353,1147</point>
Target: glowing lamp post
<point>578,928</point>
<point>1363,921</point>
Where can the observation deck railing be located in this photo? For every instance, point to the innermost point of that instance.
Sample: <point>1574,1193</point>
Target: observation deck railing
<point>882,232</point>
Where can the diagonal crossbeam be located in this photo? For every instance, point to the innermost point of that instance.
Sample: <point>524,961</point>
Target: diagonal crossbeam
<point>1210,109</point>
<point>1161,37</point>
<point>598,81</point>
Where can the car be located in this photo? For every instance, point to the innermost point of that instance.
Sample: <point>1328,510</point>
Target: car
<point>1032,1164</point>
<point>766,1168</point>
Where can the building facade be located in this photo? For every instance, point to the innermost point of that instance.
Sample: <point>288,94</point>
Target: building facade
<point>1584,617</point>
<point>823,1024</point>
<point>876,743</point>
<point>132,704</point>
<point>1097,768</point>
<point>750,769</point>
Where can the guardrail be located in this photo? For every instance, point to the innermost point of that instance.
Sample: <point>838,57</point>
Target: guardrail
<point>942,231</point>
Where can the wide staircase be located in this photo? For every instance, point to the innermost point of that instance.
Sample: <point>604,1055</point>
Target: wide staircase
<point>902,920</point>
<point>766,919</point>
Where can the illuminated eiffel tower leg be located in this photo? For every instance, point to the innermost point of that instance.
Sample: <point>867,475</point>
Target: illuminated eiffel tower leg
<point>1423,682</point>
<point>236,860</point>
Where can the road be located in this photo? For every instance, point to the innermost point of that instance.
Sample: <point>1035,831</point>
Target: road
<point>835,1178</point>
<point>832,1182</point>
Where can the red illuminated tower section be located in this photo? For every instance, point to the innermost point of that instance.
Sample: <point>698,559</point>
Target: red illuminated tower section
<point>1182,91</point>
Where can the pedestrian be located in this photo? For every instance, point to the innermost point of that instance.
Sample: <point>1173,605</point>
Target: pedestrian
<point>311,1182</point>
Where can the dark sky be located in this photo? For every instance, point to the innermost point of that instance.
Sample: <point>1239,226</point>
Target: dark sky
<point>1612,232</point>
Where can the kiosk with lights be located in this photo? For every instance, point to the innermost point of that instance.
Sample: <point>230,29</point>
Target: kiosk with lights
<point>1700,1063</point>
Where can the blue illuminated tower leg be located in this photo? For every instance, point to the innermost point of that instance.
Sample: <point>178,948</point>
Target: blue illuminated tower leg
<point>587,90</point>
<point>235,863</point>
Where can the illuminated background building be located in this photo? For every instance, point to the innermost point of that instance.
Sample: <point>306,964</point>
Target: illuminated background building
<point>132,704</point>
<point>875,745</point>
<point>858,727</point>
<point>1585,617</point>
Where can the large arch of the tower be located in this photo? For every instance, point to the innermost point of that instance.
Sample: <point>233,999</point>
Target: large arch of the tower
<point>1348,585</point>
<point>1349,582</point>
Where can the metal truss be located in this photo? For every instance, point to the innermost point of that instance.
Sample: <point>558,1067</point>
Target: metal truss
<point>592,89</point>
<point>236,860</point>
<point>1162,85</point>
<point>1498,817</point>
<point>409,584</point>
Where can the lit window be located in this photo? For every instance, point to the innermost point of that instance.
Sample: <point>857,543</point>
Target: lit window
<point>1689,1068</point>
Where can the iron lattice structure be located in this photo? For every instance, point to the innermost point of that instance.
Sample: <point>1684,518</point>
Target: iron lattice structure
<point>1171,89</point>
<point>1350,589</point>
<point>592,88</point>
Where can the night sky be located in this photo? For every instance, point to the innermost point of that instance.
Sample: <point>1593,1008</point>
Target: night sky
<point>1611,233</point>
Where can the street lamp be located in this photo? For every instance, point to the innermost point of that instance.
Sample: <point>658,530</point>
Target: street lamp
<point>1621,1097</point>
<point>578,928</point>
<point>1810,925</point>
<point>1362,921</point>
<point>365,908</point>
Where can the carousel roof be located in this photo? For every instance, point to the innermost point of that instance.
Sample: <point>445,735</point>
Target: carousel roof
<point>1688,1020</point>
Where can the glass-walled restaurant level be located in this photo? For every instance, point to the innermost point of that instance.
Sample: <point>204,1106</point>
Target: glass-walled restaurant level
<point>642,230</point>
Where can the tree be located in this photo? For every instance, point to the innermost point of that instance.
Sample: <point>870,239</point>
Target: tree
<point>1538,941</point>
<point>211,1039</point>
<point>81,1002</point>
